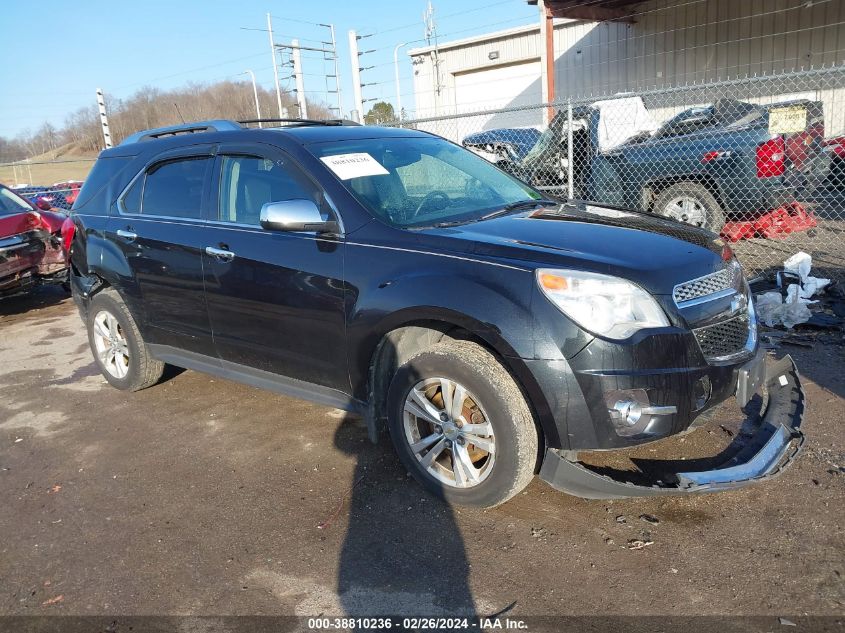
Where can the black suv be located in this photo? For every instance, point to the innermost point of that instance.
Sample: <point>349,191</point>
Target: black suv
<point>394,274</point>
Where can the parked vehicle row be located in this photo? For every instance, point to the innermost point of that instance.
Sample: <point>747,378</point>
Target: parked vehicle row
<point>60,195</point>
<point>493,332</point>
<point>31,249</point>
<point>702,167</point>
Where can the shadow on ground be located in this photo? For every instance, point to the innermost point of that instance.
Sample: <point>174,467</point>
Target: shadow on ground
<point>34,299</point>
<point>400,555</point>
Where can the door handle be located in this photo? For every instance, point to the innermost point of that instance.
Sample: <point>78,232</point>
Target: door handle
<point>129,236</point>
<point>219,254</point>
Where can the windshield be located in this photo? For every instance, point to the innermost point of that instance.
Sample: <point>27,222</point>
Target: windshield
<point>11,203</point>
<point>414,182</point>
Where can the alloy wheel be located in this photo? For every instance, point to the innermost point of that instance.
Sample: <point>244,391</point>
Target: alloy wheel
<point>110,344</point>
<point>449,433</point>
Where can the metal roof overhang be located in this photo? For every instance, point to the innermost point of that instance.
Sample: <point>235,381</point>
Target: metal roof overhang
<point>593,10</point>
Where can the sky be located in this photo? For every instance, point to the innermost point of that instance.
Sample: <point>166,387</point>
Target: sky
<point>60,52</point>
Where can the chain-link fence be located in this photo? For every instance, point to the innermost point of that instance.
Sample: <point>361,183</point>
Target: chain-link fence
<point>47,183</point>
<point>758,159</point>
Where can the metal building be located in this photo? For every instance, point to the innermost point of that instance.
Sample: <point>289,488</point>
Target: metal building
<point>639,46</point>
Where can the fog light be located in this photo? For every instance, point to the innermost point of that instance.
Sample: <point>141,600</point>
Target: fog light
<point>628,411</point>
<point>632,413</point>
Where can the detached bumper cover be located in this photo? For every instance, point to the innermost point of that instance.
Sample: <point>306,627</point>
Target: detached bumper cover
<point>774,444</point>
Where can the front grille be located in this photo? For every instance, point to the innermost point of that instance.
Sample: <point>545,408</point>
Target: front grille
<point>723,339</point>
<point>715,282</point>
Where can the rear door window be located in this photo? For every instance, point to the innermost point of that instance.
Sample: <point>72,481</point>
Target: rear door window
<point>173,188</point>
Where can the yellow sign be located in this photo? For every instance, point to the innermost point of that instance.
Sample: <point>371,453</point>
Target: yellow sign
<point>787,120</point>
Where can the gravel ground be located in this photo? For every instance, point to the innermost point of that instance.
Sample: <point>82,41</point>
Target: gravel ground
<point>205,497</point>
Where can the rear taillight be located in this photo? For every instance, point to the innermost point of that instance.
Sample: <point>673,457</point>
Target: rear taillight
<point>771,158</point>
<point>33,221</point>
<point>68,231</point>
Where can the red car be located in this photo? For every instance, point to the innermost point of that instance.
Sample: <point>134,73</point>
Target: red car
<point>70,189</point>
<point>30,245</point>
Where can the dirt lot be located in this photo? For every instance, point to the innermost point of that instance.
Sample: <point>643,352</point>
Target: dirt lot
<point>202,496</point>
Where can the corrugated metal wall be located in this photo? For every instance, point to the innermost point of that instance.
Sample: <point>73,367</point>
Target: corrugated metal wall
<point>671,43</point>
<point>512,49</point>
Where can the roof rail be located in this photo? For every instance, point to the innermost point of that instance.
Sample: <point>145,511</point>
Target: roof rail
<point>216,125</point>
<point>303,121</point>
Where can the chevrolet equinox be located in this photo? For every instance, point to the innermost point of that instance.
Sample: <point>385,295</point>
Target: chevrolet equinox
<point>494,333</point>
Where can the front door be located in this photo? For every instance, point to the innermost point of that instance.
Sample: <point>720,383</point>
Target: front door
<point>275,299</point>
<point>159,228</point>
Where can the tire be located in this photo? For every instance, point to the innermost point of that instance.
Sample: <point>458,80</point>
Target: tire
<point>493,402</point>
<point>131,368</point>
<point>705,212</point>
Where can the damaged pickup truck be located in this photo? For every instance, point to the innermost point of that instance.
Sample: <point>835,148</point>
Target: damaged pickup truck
<point>30,245</point>
<point>388,272</point>
<point>705,166</point>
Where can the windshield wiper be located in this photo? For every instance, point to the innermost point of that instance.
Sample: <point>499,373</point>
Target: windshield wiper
<point>520,205</point>
<point>508,208</point>
<point>529,204</point>
<point>446,223</point>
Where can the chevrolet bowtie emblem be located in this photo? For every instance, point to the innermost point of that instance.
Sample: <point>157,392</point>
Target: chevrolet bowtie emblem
<point>739,303</point>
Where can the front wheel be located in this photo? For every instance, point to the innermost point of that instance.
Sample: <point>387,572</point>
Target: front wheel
<point>461,425</point>
<point>690,203</point>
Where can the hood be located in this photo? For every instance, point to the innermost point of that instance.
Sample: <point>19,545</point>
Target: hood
<point>653,252</point>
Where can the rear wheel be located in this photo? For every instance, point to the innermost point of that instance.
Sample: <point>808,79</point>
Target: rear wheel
<point>691,203</point>
<point>461,425</point>
<point>117,345</point>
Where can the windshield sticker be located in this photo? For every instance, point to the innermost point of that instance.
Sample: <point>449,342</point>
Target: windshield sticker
<point>787,120</point>
<point>348,166</point>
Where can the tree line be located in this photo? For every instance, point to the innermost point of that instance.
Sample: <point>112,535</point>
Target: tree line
<point>149,108</point>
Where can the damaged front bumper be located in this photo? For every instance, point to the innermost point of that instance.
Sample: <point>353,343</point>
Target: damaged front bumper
<point>773,445</point>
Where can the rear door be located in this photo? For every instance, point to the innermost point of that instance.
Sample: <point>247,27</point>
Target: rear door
<point>276,299</point>
<point>160,230</point>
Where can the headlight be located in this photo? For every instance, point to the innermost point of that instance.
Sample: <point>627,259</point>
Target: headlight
<point>605,305</point>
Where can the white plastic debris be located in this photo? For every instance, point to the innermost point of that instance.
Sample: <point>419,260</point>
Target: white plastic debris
<point>800,264</point>
<point>773,311</point>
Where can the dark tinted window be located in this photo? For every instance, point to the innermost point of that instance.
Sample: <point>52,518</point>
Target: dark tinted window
<point>248,182</point>
<point>174,188</point>
<point>105,170</point>
<point>132,198</point>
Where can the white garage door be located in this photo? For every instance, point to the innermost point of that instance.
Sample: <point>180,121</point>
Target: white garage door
<point>501,87</point>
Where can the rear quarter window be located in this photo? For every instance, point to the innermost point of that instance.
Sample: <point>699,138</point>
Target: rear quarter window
<point>103,172</point>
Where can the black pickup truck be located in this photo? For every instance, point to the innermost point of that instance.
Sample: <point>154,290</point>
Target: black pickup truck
<point>704,165</point>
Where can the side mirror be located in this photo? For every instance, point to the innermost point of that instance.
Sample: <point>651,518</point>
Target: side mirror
<point>42,204</point>
<point>298,215</point>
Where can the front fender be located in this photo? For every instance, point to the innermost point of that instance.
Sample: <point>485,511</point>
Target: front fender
<point>493,303</point>
<point>496,308</point>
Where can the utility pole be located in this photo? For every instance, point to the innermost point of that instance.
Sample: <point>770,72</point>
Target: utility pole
<point>275,66</point>
<point>104,120</point>
<point>354,57</point>
<point>255,93</point>
<point>300,84</point>
<point>357,69</point>
<point>295,49</point>
<point>332,57</point>
<point>431,40</point>
<point>396,75</point>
